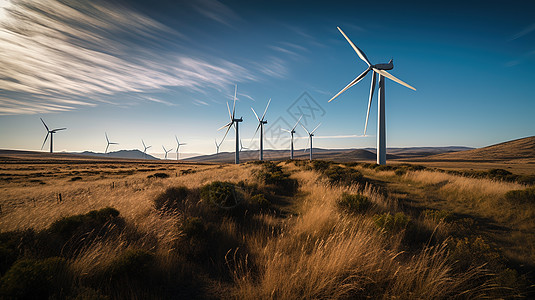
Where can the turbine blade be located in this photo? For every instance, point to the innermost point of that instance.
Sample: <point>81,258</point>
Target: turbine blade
<point>44,124</point>
<point>297,122</point>
<point>107,140</point>
<point>372,89</point>
<point>352,83</point>
<point>148,147</point>
<point>59,129</point>
<point>234,105</point>
<point>254,112</point>
<point>106,151</point>
<point>143,144</point>
<point>46,137</point>
<point>177,140</point>
<point>359,52</point>
<point>391,77</point>
<point>305,129</point>
<point>229,113</point>
<point>228,128</point>
<point>315,128</point>
<point>265,111</point>
<point>286,130</point>
<point>257,127</point>
<point>229,124</point>
<point>164,149</point>
<point>308,143</point>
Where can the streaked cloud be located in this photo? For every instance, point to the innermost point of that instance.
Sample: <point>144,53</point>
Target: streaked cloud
<point>216,11</point>
<point>529,29</point>
<point>82,51</point>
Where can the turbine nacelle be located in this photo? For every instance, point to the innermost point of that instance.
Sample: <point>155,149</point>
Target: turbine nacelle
<point>388,66</point>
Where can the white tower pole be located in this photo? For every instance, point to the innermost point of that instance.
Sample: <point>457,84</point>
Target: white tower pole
<point>261,140</point>
<point>292,146</point>
<point>237,156</point>
<point>310,147</point>
<point>381,127</point>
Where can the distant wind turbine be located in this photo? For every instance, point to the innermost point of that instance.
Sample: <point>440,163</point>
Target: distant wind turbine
<point>381,70</point>
<point>233,121</point>
<point>166,151</point>
<point>291,132</point>
<point>145,148</point>
<point>51,133</point>
<point>310,135</point>
<point>108,143</point>
<point>217,146</point>
<point>261,123</point>
<point>178,144</point>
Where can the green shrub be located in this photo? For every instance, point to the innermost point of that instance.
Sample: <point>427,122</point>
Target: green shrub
<point>400,172</point>
<point>37,279</point>
<point>172,199</point>
<point>521,196</point>
<point>261,201</point>
<point>194,227</point>
<point>340,175</point>
<point>354,203</point>
<point>475,251</point>
<point>159,175</point>
<point>132,264</point>
<point>320,165</point>
<point>438,215</point>
<point>221,194</point>
<point>272,174</point>
<point>94,220</point>
<point>392,223</point>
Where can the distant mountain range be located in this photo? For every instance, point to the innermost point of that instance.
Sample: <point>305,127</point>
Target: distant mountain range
<point>128,154</point>
<point>341,155</point>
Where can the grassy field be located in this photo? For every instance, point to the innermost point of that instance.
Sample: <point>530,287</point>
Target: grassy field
<point>282,230</point>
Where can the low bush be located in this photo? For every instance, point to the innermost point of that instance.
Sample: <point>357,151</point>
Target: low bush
<point>392,223</point>
<point>320,165</point>
<point>158,175</point>
<point>133,264</point>
<point>94,220</point>
<point>37,279</point>
<point>172,199</point>
<point>260,201</point>
<point>193,227</point>
<point>400,172</point>
<point>341,175</point>
<point>221,194</point>
<point>354,203</point>
<point>526,196</point>
<point>272,174</point>
<point>76,178</point>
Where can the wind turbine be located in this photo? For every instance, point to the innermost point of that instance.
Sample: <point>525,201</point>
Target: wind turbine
<point>51,133</point>
<point>242,147</point>
<point>261,123</point>
<point>216,146</point>
<point>291,132</point>
<point>233,121</point>
<point>310,135</point>
<point>145,147</point>
<point>381,70</point>
<point>166,151</point>
<point>178,144</point>
<point>109,143</point>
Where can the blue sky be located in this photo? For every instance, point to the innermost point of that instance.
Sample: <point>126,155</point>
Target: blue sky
<point>155,69</point>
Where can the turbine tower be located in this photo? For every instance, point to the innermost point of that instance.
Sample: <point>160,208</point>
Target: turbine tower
<point>166,151</point>
<point>261,123</point>
<point>51,133</point>
<point>145,148</point>
<point>379,69</point>
<point>216,146</point>
<point>178,144</point>
<point>310,135</point>
<point>109,143</point>
<point>233,121</point>
<point>291,132</point>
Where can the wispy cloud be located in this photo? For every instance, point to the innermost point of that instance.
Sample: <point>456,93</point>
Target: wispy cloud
<point>529,29</point>
<point>152,99</point>
<point>216,11</point>
<point>52,50</point>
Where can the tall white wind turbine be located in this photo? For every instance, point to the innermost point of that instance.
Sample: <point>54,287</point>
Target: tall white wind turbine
<point>233,121</point>
<point>379,69</point>
<point>145,148</point>
<point>291,132</point>
<point>108,143</point>
<point>178,144</point>
<point>166,151</point>
<point>310,135</point>
<point>261,123</point>
<point>51,133</point>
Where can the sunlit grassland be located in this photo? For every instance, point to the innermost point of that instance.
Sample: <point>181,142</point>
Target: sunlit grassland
<point>278,243</point>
